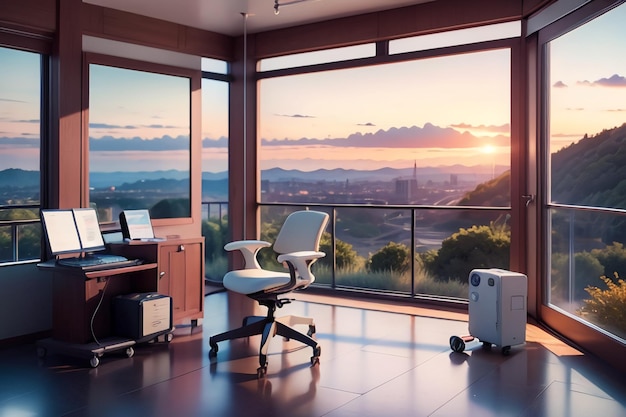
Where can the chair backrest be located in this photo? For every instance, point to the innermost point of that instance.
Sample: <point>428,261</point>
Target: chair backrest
<point>301,231</point>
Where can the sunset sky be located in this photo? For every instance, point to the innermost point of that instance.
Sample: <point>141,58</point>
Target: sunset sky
<point>467,93</point>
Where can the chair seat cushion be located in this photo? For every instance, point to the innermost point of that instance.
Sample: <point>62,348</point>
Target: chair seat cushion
<point>249,281</point>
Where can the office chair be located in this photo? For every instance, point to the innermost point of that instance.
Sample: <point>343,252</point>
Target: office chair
<point>297,246</point>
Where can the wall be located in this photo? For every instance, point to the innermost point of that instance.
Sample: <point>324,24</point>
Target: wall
<point>25,301</point>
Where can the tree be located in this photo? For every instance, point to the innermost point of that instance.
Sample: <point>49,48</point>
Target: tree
<point>345,255</point>
<point>476,247</point>
<point>392,257</point>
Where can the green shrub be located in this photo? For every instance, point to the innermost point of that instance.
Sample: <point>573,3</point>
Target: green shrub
<point>476,247</point>
<point>392,257</point>
<point>607,307</point>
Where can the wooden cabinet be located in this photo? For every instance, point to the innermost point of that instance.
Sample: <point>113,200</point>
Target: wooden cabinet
<point>180,270</point>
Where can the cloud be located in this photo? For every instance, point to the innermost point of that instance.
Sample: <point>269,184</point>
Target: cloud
<point>165,143</point>
<point>559,84</point>
<point>22,142</point>
<point>9,100</point>
<point>614,80</point>
<point>505,128</point>
<point>616,110</point>
<point>110,126</point>
<point>368,124</point>
<point>296,116</point>
<point>575,108</point>
<point>429,136</point>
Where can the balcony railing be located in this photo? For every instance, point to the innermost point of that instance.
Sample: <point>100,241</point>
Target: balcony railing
<point>357,231</point>
<point>20,239</point>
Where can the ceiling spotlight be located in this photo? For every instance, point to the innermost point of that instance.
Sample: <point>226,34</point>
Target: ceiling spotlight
<point>276,5</point>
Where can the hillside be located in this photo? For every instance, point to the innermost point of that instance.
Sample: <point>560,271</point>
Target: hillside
<point>592,171</point>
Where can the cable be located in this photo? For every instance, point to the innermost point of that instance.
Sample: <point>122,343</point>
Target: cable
<point>93,316</point>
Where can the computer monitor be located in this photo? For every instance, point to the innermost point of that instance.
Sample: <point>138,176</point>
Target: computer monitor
<point>88,229</point>
<point>60,231</point>
<point>72,230</point>
<point>136,224</point>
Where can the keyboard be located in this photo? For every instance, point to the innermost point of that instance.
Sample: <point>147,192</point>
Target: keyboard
<point>95,262</point>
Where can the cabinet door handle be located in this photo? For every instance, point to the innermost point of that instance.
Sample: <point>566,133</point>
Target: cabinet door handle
<point>181,248</point>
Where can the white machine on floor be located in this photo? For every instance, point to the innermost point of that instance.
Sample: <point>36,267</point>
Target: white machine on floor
<point>497,309</point>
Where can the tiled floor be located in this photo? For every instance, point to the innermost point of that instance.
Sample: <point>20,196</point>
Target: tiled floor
<point>373,363</point>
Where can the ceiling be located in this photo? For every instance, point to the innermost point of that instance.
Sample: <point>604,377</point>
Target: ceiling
<point>227,16</point>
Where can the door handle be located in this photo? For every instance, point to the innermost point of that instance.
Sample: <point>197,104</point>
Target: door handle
<point>530,198</point>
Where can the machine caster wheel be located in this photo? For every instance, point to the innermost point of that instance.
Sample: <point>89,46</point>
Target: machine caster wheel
<point>94,362</point>
<point>261,371</point>
<point>506,350</point>
<point>457,344</point>
<point>311,331</point>
<point>130,352</point>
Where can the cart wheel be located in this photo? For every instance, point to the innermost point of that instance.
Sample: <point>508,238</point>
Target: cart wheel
<point>261,371</point>
<point>41,352</point>
<point>457,344</point>
<point>506,350</point>
<point>94,362</point>
<point>130,352</point>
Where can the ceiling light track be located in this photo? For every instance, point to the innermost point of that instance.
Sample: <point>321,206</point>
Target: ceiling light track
<point>278,4</point>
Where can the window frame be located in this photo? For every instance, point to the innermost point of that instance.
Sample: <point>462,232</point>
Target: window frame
<point>194,77</point>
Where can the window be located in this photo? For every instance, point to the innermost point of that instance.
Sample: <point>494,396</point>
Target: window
<point>20,132</point>
<point>397,151</point>
<point>586,136</point>
<point>215,135</point>
<point>139,140</point>
<point>318,57</point>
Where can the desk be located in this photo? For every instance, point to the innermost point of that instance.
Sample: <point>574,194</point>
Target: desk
<point>80,298</point>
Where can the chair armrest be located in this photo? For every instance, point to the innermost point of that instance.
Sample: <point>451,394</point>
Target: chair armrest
<point>308,255</point>
<point>300,266</point>
<point>248,249</point>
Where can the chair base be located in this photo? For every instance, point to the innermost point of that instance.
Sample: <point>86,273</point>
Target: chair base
<point>268,327</point>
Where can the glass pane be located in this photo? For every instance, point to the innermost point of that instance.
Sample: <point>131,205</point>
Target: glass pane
<point>20,126</point>
<point>586,122</point>
<point>417,132</point>
<point>373,249</point>
<point>456,37</point>
<point>318,57</point>
<point>139,147</point>
<point>588,266</point>
<point>587,137</point>
<point>215,177</point>
<point>214,65</point>
<point>450,243</point>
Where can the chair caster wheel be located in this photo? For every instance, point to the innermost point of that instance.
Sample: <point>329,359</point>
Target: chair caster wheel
<point>506,350</point>
<point>130,352</point>
<point>261,372</point>
<point>311,331</point>
<point>315,359</point>
<point>213,351</point>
